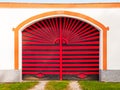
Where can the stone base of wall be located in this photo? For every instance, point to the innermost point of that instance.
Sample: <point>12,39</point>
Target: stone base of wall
<point>10,76</point>
<point>15,75</point>
<point>110,75</point>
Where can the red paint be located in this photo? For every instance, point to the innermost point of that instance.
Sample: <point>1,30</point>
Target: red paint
<point>40,75</point>
<point>80,60</point>
<point>80,64</point>
<point>71,73</point>
<point>59,64</point>
<point>82,52</point>
<point>82,75</point>
<point>60,46</point>
<point>37,52</point>
<point>59,69</point>
<point>40,64</point>
<point>60,49</point>
<point>80,57</point>
<point>96,42</point>
<point>40,61</point>
<point>41,68</point>
<point>57,47</point>
<point>38,47</point>
<point>40,57</point>
<point>68,60</point>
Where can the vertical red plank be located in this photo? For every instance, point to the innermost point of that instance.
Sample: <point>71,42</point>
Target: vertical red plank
<point>60,49</point>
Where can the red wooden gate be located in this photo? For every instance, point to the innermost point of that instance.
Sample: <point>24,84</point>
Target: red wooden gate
<point>60,48</point>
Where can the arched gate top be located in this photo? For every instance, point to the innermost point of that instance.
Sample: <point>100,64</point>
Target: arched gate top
<point>60,13</point>
<point>51,13</point>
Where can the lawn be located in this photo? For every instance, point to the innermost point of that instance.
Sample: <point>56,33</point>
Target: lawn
<point>95,85</point>
<point>17,86</point>
<point>57,85</point>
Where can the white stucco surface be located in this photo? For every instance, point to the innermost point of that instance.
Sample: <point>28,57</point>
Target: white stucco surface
<point>11,17</point>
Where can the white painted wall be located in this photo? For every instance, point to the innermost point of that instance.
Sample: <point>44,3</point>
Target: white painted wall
<point>11,18</point>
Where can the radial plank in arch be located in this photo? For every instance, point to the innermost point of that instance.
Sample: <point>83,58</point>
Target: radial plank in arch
<point>77,58</point>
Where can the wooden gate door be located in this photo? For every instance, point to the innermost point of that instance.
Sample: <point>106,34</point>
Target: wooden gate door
<point>60,48</point>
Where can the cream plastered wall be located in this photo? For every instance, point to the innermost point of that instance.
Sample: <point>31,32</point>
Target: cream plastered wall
<point>11,17</point>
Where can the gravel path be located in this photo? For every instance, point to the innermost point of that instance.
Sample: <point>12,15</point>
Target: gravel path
<point>73,85</point>
<point>40,85</point>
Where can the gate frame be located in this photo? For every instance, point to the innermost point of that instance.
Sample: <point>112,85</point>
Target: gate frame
<point>85,18</point>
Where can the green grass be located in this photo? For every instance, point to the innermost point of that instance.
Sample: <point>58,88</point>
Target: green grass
<point>57,85</point>
<point>95,85</point>
<point>17,86</point>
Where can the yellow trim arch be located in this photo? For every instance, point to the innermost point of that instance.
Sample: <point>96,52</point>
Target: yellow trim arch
<point>87,18</point>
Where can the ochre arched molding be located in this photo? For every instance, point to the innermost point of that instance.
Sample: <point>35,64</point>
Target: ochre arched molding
<point>81,16</point>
